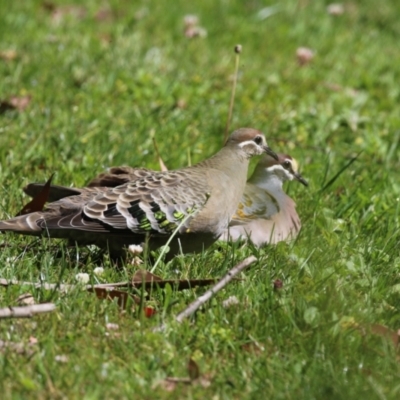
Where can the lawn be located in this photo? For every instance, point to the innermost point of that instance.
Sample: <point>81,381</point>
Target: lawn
<point>88,85</point>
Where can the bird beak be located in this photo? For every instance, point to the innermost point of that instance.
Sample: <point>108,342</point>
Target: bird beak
<point>271,153</point>
<point>300,179</point>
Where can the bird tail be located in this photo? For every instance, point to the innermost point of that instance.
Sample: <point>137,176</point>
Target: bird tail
<point>24,224</point>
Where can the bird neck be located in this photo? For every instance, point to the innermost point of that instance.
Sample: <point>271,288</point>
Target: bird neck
<point>270,182</point>
<point>228,161</point>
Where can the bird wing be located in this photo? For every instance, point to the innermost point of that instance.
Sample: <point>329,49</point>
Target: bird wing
<point>116,176</point>
<point>282,226</point>
<point>155,204</point>
<point>256,203</point>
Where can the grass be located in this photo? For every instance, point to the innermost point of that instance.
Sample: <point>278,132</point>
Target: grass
<point>102,88</point>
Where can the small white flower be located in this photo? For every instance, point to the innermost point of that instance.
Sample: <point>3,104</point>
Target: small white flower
<point>230,301</point>
<point>335,9</point>
<point>98,271</point>
<point>135,249</point>
<point>190,20</point>
<point>112,327</point>
<point>61,358</point>
<point>136,261</point>
<point>304,55</point>
<point>82,277</point>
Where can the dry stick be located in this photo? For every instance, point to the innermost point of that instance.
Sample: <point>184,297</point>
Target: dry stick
<point>26,312</point>
<point>238,50</point>
<point>61,287</point>
<point>163,167</point>
<point>194,306</point>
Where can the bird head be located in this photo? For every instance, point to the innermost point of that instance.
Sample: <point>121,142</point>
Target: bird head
<point>251,141</point>
<point>285,167</point>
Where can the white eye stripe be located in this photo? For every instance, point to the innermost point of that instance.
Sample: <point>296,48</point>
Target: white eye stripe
<point>247,143</point>
<point>278,169</point>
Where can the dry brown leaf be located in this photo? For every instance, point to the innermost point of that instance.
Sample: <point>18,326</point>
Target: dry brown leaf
<point>38,202</point>
<point>111,294</point>
<point>8,55</point>
<point>142,276</point>
<point>384,331</point>
<point>25,299</point>
<point>18,103</point>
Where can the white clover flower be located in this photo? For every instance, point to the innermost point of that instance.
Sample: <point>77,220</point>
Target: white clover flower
<point>136,261</point>
<point>82,277</point>
<point>304,55</point>
<point>230,301</point>
<point>135,249</point>
<point>98,271</point>
<point>335,9</point>
<point>61,358</point>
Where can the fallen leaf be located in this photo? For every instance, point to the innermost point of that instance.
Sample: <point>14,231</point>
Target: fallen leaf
<point>142,276</point>
<point>25,299</point>
<point>14,103</point>
<point>8,55</point>
<point>111,294</point>
<point>38,202</point>
<point>384,331</point>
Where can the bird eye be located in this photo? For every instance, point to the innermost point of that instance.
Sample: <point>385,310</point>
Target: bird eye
<point>258,140</point>
<point>287,164</point>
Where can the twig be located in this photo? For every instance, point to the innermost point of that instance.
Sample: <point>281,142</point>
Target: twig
<point>238,50</point>
<point>179,284</point>
<point>160,160</point>
<point>61,287</point>
<point>195,305</point>
<point>26,312</point>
